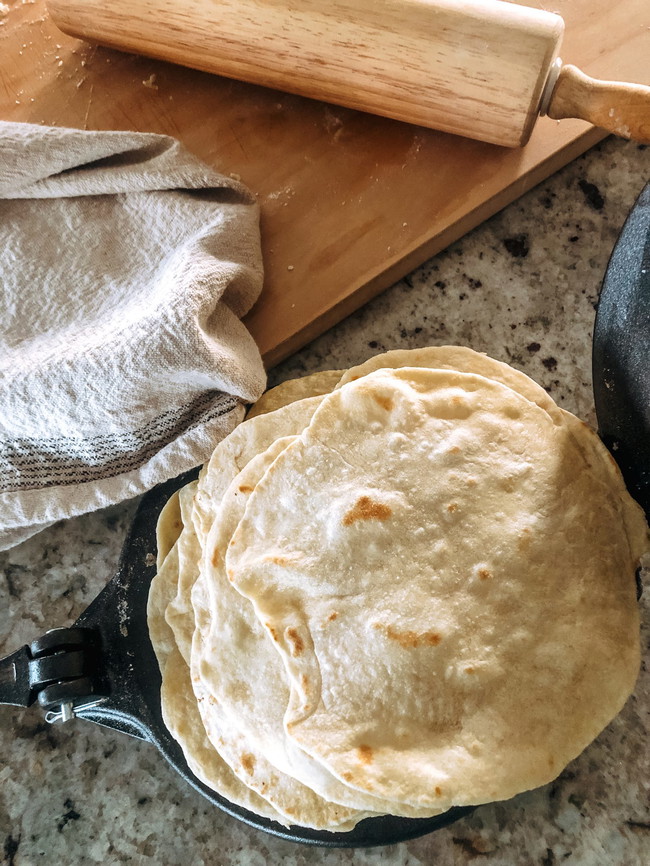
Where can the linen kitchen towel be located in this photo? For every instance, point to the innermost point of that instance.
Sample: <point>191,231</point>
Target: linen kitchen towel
<point>126,265</point>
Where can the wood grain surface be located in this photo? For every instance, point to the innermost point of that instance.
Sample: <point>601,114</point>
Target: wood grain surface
<point>350,202</point>
<point>470,67</point>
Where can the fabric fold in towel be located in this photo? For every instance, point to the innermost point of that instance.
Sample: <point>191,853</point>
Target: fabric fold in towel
<point>126,265</point>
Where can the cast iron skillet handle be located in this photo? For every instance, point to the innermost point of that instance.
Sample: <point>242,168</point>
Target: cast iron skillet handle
<point>103,668</point>
<point>621,351</point>
<point>61,669</point>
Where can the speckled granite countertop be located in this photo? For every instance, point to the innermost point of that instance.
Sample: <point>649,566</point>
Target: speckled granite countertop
<point>522,287</point>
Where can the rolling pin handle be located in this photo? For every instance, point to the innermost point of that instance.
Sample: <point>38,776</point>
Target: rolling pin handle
<point>618,107</point>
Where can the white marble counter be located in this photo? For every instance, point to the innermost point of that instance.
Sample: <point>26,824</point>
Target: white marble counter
<point>522,287</point>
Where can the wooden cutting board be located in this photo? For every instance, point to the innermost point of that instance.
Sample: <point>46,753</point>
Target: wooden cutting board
<point>350,202</point>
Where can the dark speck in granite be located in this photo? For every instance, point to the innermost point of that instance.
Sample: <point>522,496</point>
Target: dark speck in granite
<point>639,825</point>
<point>533,347</point>
<point>70,815</point>
<point>517,246</point>
<point>39,732</point>
<point>592,194</point>
<point>12,576</point>
<point>550,363</point>
<point>549,858</point>
<point>11,849</point>
<point>472,847</point>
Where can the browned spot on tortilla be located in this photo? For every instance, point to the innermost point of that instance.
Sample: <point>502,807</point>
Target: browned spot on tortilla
<point>471,482</point>
<point>410,639</point>
<point>212,699</point>
<point>469,670</point>
<point>365,754</point>
<point>297,644</point>
<point>248,763</point>
<point>385,402</point>
<point>231,574</point>
<point>272,631</point>
<point>178,524</point>
<point>484,574</point>
<point>278,560</point>
<point>332,616</point>
<point>245,488</point>
<point>216,557</point>
<point>452,507</point>
<point>454,449</point>
<point>438,791</point>
<point>348,777</point>
<point>365,509</point>
<point>304,681</point>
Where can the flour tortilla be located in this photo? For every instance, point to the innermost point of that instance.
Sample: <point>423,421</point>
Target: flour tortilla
<point>586,443</point>
<point>228,458</point>
<point>295,389</point>
<point>466,360</point>
<point>183,720</point>
<point>295,802</point>
<point>451,586</point>
<point>183,710</point>
<point>255,696</point>
<point>179,709</point>
<point>275,398</point>
<point>168,528</point>
<point>251,699</point>
<point>458,358</point>
<point>188,553</point>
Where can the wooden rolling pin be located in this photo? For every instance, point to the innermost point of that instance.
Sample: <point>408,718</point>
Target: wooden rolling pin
<point>485,69</point>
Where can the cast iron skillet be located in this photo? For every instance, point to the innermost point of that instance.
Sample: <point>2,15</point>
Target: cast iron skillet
<point>621,353</point>
<point>103,669</point>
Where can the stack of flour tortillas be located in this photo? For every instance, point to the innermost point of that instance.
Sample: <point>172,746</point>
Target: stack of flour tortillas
<point>394,590</point>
